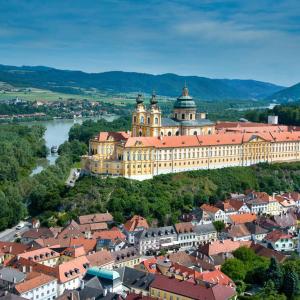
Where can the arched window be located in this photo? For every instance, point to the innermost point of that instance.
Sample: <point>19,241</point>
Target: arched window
<point>134,119</point>
<point>142,120</point>
<point>169,133</point>
<point>162,134</point>
<point>156,120</point>
<point>175,116</point>
<point>195,132</point>
<point>191,116</point>
<point>177,133</point>
<point>140,133</point>
<point>148,120</point>
<point>209,131</point>
<point>183,116</point>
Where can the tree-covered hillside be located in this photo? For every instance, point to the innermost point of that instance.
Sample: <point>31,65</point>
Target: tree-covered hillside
<point>166,84</point>
<point>288,114</point>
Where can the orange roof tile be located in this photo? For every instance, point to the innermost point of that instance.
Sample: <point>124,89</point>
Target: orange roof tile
<point>225,246</point>
<point>40,255</point>
<point>276,235</point>
<point>112,234</point>
<point>33,283</point>
<point>243,218</point>
<point>72,269</point>
<point>100,258</point>
<point>209,208</point>
<point>216,276</point>
<point>136,222</point>
<point>184,227</point>
<point>95,218</point>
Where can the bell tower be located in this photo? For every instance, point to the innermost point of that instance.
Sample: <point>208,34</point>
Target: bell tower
<point>139,117</point>
<point>155,117</point>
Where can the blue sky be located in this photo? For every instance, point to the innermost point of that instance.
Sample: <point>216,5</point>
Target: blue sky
<point>257,39</point>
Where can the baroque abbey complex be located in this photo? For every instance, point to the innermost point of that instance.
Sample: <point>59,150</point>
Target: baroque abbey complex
<point>186,141</point>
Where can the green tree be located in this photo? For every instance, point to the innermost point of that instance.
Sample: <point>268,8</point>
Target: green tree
<point>275,274</point>
<point>219,225</point>
<point>234,268</point>
<point>269,292</point>
<point>290,285</point>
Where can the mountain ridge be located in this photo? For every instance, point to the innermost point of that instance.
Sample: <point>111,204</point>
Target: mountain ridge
<point>168,84</point>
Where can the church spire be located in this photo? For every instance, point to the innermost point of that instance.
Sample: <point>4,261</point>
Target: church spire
<point>153,100</point>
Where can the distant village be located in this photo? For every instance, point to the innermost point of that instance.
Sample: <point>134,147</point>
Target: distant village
<point>95,258</point>
<point>42,109</point>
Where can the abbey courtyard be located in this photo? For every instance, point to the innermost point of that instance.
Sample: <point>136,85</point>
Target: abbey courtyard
<point>186,141</point>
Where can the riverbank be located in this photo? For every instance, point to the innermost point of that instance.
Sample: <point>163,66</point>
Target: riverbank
<point>57,132</point>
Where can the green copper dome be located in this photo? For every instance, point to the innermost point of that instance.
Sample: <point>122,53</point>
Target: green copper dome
<point>185,100</point>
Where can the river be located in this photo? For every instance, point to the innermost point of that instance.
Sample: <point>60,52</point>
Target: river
<point>57,132</point>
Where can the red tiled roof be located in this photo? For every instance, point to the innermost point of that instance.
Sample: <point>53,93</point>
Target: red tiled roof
<point>100,258</point>
<point>191,290</point>
<point>225,246</point>
<point>95,218</point>
<point>34,282</point>
<point>184,227</point>
<point>209,208</point>
<point>276,235</point>
<point>14,248</point>
<point>216,276</point>
<point>40,255</point>
<point>243,218</point>
<point>72,269</point>
<point>109,235</point>
<point>114,136</point>
<point>267,252</point>
<point>136,222</point>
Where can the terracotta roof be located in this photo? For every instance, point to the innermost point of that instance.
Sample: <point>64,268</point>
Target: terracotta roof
<point>112,235</point>
<point>209,208</point>
<point>36,233</point>
<point>14,248</point>
<point>276,235</point>
<point>184,227</point>
<point>95,218</point>
<point>216,276</point>
<point>89,245</point>
<point>98,226</point>
<point>225,246</point>
<point>34,282</point>
<point>267,252</point>
<point>191,290</point>
<point>100,258</point>
<point>150,264</point>
<point>72,269</point>
<point>239,230</point>
<point>136,222</point>
<point>74,251</point>
<point>40,254</point>
<point>71,230</point>
<point>114,136</point>
<point>243,218</point>
<point>236,204</point>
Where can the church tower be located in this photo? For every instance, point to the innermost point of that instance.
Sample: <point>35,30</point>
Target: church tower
<point>146,122</point>
<point>185,107</point>
<point>139,117</point>
<point>154,117</point>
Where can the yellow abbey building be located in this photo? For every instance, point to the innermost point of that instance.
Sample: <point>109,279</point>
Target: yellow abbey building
<point>187,141</point>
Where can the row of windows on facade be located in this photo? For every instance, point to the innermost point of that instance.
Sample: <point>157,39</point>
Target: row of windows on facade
<point>142,118</point>
<point>249,158</point>
<point>233,149</point>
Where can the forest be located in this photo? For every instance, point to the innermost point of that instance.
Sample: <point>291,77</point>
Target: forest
<point>288,114</point>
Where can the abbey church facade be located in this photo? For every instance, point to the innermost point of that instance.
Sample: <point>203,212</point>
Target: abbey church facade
<point>184,121</point>
<point>186,141</point>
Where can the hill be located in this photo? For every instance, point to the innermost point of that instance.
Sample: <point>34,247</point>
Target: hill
<point>76,82</point>
<point>290,93</point>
